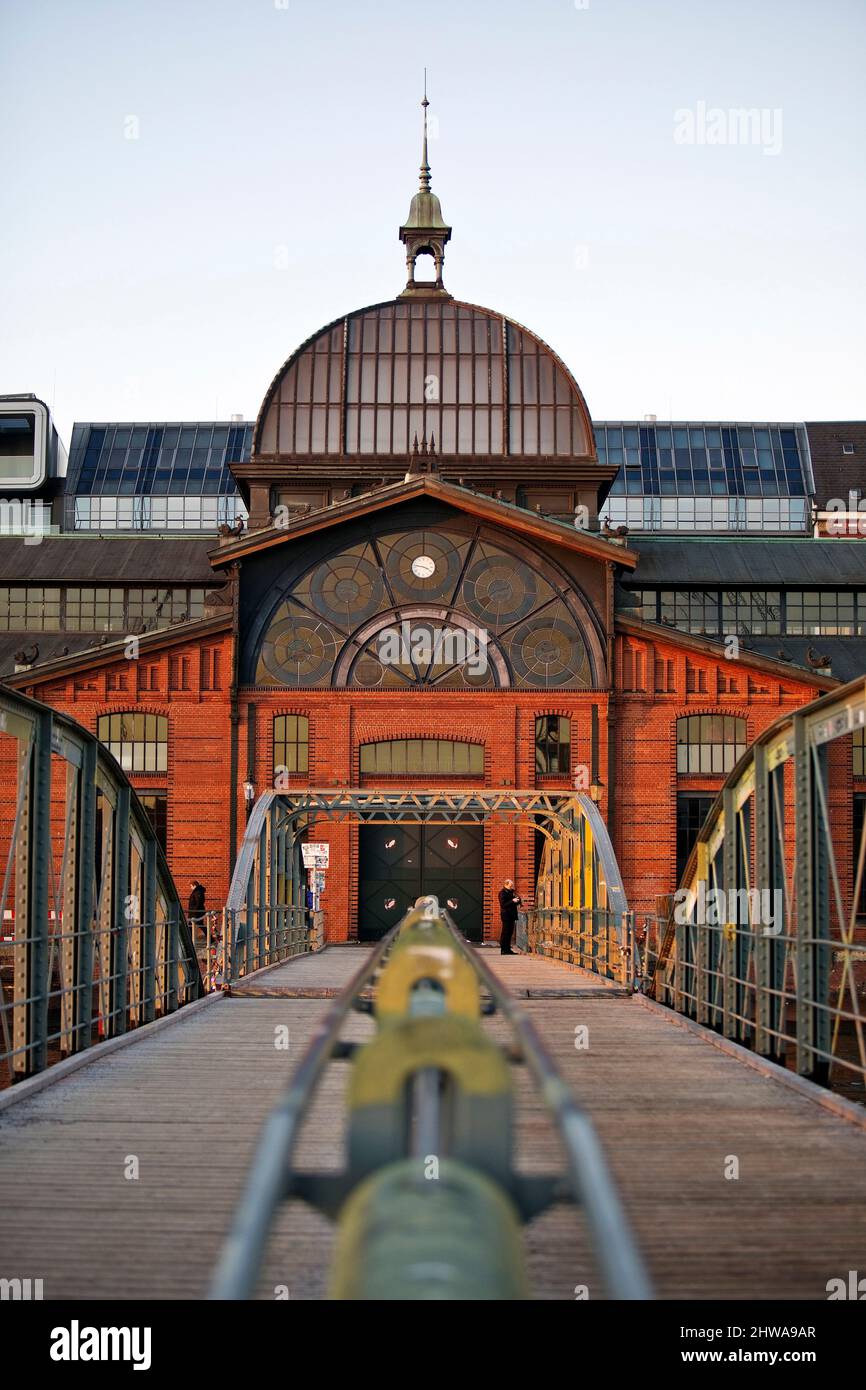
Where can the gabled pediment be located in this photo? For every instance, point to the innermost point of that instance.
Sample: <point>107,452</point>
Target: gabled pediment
<point>484,508</point>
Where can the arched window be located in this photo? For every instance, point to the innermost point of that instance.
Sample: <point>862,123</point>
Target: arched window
<point>552,744</point>
<point>291,743</point>
<point>708,745</point>
<point>435,756</point>
<point>138,741</point>
<point>436,608</point>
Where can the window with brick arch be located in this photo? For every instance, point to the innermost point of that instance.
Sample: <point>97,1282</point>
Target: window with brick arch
<point>137,740</point>
<point>709,745</point>
<point>291,744</point>
<point>552,745</point>
<point>430,756</point>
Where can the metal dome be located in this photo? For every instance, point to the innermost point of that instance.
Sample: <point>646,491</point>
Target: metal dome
<point>466,380</point>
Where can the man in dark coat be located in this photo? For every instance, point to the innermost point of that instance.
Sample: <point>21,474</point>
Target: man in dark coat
<point>509,906</point>
<point>196,901</point>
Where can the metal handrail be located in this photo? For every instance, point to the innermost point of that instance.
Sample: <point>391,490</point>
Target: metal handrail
<point>100,942</point>
<point>594,938</point>
<point>588,1170</point>
<point>266,1184</point>
<point>271,1179</point>
<point>770,984</point>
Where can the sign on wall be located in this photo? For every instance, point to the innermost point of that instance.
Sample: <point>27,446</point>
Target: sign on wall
<point>315,853</point>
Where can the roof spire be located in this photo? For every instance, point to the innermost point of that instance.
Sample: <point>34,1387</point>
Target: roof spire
<point>425,231</point>
<point>424,184</point>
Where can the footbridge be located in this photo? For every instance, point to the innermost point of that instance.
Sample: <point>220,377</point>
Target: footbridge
<point>636,1108</point>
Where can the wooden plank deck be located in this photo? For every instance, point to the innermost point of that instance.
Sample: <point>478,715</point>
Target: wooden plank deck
<point>188,1101</point>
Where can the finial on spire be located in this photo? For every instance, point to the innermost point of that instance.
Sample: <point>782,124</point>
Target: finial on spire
<point>424,184</point>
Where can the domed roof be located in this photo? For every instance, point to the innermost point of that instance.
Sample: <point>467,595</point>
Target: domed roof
<point>425,213</point>
<point>466,380</point>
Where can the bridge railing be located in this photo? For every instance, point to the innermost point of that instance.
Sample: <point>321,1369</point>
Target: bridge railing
<point>95,941</point>
<point>265,919</point>
<point>430,1095</point>
<point>595,939</point>
<point>252,941</point>
<point>764,942</point>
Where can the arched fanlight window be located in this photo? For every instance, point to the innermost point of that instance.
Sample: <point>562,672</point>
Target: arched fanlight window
<point>426,608</point>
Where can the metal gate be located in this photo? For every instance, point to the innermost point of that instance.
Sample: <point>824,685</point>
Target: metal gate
<point>398,863</point>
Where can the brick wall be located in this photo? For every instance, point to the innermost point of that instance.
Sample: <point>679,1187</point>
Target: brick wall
<point>655,682</point>
<point>189,684</point>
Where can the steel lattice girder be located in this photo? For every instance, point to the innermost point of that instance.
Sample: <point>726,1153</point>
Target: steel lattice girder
<point>96,926</point>
<point>718,859</point>
<point>560,816</point>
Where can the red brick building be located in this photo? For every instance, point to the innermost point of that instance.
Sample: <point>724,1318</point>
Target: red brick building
<point>429,592</point>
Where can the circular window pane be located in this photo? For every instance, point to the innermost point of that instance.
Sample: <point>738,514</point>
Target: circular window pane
<point>499,591</point>
<point>298,651</point>
<point>347,589</point>
<point>549,651</point>
<point>408,562</point>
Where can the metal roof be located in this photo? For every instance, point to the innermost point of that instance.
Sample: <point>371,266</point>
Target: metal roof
<point>121,559</point>
<point>728,562</point>
<point>847,654</point>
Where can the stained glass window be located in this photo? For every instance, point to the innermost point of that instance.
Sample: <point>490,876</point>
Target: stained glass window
<point>424,608</point>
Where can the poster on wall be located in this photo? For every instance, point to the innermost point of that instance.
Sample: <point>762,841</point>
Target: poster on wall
<point>315,854</point>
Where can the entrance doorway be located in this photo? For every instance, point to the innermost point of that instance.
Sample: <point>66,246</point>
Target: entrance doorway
<point>397,863</point>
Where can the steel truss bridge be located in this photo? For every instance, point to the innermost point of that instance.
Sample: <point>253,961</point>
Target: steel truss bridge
<point>579,882</point>
<point>764,942</point>
<point>95,940</point>
<point>630,1059</point>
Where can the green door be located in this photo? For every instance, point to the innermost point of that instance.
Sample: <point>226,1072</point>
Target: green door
<point>398,863</point>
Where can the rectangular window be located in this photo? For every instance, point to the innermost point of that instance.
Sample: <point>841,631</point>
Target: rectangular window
<point>137,740</point>
<point>416,757</point>
<point>709,745</point>
<point>552,745</point>
<point>291,744</point>
<point>156,806</point>
<point>757,612</point>
<point>692,811</point>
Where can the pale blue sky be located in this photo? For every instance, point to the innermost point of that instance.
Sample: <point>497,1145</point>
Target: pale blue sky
<point>168,277</point>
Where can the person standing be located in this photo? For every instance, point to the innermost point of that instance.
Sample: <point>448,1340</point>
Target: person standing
<point>196,902</point>
<point>509,906</point>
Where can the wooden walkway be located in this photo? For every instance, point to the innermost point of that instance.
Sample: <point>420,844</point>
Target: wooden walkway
<point>187,1102</point>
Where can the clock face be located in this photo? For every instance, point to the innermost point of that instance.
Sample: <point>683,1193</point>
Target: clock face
<point>423,566</point>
